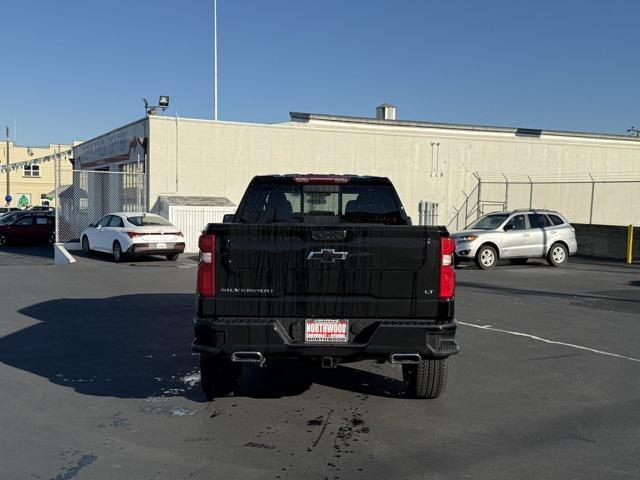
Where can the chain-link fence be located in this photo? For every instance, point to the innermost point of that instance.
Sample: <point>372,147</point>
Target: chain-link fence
<point>607,198</point>
<point>84,196</point>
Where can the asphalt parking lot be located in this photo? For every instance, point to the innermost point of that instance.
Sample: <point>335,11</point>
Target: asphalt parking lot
<point>98,381</point>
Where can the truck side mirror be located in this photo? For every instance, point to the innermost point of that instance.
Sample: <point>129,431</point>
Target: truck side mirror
<point>508,227</point>
<point>92,225</point>
<point>228,218</point>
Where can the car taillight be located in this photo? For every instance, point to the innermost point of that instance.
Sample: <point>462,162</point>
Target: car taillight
<point>206,266</point>
<point>134,234</point>
<point>447,273</point>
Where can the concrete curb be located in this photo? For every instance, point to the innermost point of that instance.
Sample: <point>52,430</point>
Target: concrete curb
<point>61,256</point>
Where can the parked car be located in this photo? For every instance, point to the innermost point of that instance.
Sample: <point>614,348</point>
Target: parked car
<point>517,236</point>
<point>21,228</point>
<point>132,234</point>
<point>324,269</point>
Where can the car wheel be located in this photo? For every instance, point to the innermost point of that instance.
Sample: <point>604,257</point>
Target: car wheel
<point>86,248</point>
<point>3,241</point>
<point>558,255</point>
<point>486,257</point>
<point>519,261</point>
<point>426,379</point>
<point>118,256</point>
<point>172,257</point>
<point>218,377</point>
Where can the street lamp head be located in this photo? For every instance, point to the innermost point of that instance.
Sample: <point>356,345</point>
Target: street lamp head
<point>163,101</point>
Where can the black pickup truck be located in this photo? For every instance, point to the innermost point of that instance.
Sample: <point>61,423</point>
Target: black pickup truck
<point>325,269</point>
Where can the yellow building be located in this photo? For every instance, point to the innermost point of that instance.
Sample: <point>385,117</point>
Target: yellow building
<point>30,183</point>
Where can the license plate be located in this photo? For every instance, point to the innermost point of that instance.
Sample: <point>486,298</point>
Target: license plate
<point>160,246</point>
<point>321,330</point>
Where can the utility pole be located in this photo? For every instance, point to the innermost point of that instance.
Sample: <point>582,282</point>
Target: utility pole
<point>8,178</point>
<point>634,130</point>
<point>215,59</point>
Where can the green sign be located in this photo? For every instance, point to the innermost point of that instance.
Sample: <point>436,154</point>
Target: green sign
<point>23,201</point>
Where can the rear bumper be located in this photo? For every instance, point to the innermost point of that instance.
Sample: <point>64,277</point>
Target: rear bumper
<point>284,338</point>
<point>151,249</point>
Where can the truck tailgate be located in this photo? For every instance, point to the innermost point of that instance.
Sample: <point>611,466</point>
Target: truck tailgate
<point>346,271</point>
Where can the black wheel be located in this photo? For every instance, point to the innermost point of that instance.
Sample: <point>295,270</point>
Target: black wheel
<point>172,257</point>
<point>487,257</point>
<point>86,248</point>
<point>426,379</point>
<point>558,255</point>
<point>52,238</point>
<point>218,377</point>
<point>519,261</point>
<point>118,256</point>
<point>4,241</point>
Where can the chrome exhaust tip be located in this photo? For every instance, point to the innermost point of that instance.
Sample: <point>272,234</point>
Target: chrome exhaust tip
<point>405,358</point>
<point>248,357</point>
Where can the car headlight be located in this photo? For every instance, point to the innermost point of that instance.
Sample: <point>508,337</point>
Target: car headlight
<point>467,238</point>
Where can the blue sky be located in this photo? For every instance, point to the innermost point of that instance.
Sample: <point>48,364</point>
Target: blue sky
<point>73,69</point>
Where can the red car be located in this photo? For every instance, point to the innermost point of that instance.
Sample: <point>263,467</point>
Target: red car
<point>27,228</point>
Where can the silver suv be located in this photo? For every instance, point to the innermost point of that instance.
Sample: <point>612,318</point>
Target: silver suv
<point>517,236</point>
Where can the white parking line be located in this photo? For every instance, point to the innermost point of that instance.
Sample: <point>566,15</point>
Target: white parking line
<point>540,339</point>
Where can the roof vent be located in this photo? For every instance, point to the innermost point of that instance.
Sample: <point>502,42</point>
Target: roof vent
<point>386,112</point>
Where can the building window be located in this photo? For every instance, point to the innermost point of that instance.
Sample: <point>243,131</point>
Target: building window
<point>32,170</point>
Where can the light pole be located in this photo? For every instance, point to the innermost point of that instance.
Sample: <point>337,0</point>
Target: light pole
<point>8,178</point>
<point>634,130</point>
<point>215,59</point>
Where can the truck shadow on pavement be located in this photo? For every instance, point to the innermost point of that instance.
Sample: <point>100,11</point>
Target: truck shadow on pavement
<point>139,346</point>
<point>129,346</point>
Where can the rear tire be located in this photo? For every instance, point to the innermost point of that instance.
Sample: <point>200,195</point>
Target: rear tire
<point>426,379</point>
<point>558,255</point>
<point>86,248</point>
<point>52,239</point>
<point>172,257</point>
<point>487,257</point>
<point>118,255</point>
<point>218,377</point>
<point>519,261</point>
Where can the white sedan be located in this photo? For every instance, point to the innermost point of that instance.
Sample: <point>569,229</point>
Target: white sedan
<point>133,233</point>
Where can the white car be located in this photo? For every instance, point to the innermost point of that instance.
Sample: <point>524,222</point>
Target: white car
<point>133,233</point>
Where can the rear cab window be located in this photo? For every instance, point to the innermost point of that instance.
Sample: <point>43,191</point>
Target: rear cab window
<point>289,201</point>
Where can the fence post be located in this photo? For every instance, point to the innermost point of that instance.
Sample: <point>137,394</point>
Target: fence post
<point>56,186</point>
<point>530,192</point>
<point>466,207</point>
<point>475,174</point>
<point>593,191</point>
<point>139,184</point>
<point>630,244</point>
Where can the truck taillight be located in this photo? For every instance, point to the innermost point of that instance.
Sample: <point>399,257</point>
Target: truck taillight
<point>447,273</point>
<point>207,265</point>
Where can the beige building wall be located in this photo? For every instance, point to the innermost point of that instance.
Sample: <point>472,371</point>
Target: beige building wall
<point>202,157</point>
<point>33,187</point>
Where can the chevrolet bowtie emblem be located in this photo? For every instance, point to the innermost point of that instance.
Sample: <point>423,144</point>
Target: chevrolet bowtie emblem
<point>327,255</point>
